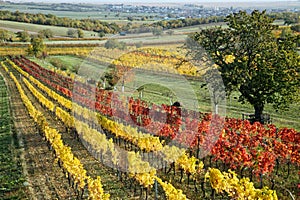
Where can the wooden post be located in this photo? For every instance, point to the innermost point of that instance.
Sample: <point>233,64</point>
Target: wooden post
<point>155,187</point>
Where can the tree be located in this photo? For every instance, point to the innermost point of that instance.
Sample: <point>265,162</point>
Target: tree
<point>170,32</point>
<point>139,44</point>
<point>80,33</point>
<point>72,32</point>
<point>252,60</point>
<point>101,34</point>
<point>46,33</point>
<point>36,47</point>
<point>157,31</point>
<point>4,35</point>
<point>24,36</point>
<point>113,43</point>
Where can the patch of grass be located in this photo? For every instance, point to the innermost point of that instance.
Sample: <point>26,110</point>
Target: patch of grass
<point>11,178</point>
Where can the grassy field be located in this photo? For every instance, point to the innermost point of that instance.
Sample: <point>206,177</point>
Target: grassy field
<point>34,28</point>
<point>146,38</point>
<point>179,35</point>
<point>11,178</point>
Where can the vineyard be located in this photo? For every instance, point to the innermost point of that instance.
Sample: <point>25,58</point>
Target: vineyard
<point>173,101</point>
<point>98,144</point>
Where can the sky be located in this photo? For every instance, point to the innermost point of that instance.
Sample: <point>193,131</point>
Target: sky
<point>147,1</point>
<point>206,3</point>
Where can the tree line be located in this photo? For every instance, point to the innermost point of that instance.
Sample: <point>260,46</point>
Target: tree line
<point>289,18</point>
<point>179,23</point>
<point>170,24</point>
<point>49,19</point>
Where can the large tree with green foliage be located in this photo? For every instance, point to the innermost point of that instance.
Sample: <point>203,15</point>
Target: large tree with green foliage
<point>36,47</point>
<point>251,60</point>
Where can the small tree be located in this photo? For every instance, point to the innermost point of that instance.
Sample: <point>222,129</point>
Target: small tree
<point>252,60</point>
<point>113,43</point>
<point>101,34</point>
<point>80,33</point>
<point>4,35</point>
<point>46,33</point>
<point>24,36</point>
<point>72,33</point>
<point>157,31</point>
<point>170,32</point>
<point>139,44</point>
<point>36,47</point>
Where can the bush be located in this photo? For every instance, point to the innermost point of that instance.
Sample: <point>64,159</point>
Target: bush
<point>139,44</point>
<point>113,43</point>
<point>72,33</point>
<point>46,33</point>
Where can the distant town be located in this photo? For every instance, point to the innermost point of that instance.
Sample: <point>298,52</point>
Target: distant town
<point>155,12</point>
<point>186,11</point>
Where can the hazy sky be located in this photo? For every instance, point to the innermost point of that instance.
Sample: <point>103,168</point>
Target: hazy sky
<point>147,1</point>
<point>206,3</point>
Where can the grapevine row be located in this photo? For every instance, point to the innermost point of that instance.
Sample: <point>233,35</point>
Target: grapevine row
<point>64,155</point>
<point>145,142</point>
<point>237,188</point>
<point>77,122</point>
<point>138,169</point>
<point>157,60</point>
<point>226,150</point>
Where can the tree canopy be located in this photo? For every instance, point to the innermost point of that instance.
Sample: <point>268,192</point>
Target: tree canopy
<point>46,33</point>
<point>5,35</point>
<point>157,31</point>
<point>251,60</point>
<point>36,47</point>
<point>24,36</point>
<point>113,43</point>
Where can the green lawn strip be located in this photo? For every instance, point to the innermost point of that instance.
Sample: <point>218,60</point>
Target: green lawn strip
<point>11,178</point>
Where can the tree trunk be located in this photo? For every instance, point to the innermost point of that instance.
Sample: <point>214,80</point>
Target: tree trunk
<point>258,112</point>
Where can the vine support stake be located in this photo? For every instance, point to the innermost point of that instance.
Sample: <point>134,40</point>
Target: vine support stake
<point>261,177</point>
<point>155,187</point>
